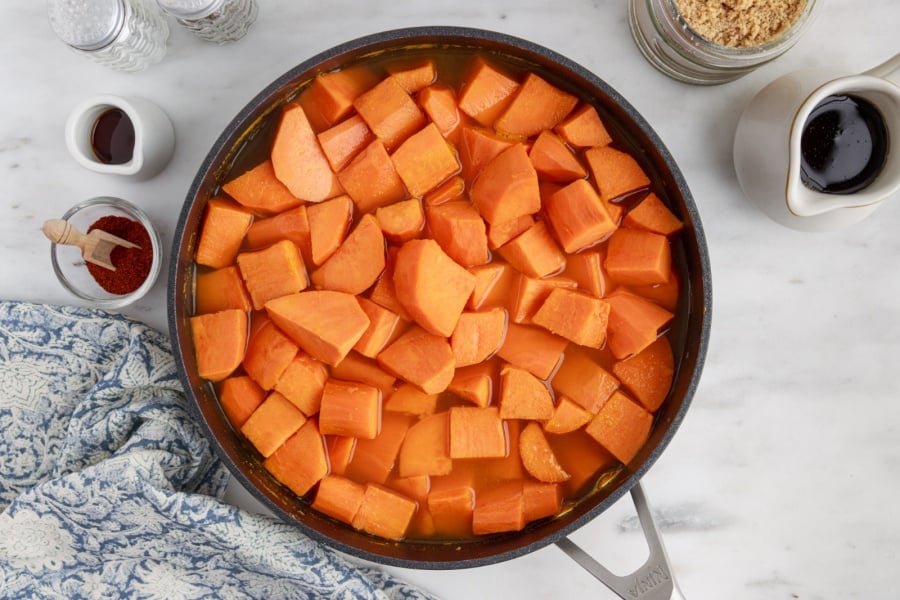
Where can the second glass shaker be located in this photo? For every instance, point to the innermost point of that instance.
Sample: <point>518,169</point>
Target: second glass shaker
<point>218,21</point>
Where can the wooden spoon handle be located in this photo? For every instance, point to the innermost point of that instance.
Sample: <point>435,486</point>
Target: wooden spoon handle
<point>59,231</point>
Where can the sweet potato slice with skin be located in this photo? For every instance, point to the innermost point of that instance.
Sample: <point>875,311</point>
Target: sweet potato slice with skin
<point>424,160</point>
<point>567,416</point>
<point>582,379</point>
<point>532,348</point>
<point>239,397</point>
<point>431,286</point>
<point>272,272</point>
<point>636,257</point>
<point>651,214</point>
<point>538,105</point>
<point>634,323</point>
<point>578,216</point>
<point>538,457</point>
<point>222,232</point>
<point>478,335</point>
<point>523,396</point>
<point>219,342</point>
<point>357,263</point>
<point>302,382</point>
<point>261,191</point>
<point>371,178</point>
<point>325,324</point>
<point>269,352</point>
<point>301,462</point>
<point>477,432</point>
<point>328,226</point>
<point>298,160</point>
<point>553,160</point>
<point>584,128</point>
<point>458,228</point>
<point>426,448</point>
<point>421,358</point>
<point>351,409</point>
<point>507,187</point>
<point>339,497</point>
<point>341,142</point>
<point>648,375</point>
<point>390,112</point>
<point>384,513</point>
<point>272,423</point>
<point>487,92</point>
<point>622,426</point>
<point>220,290</point>
<point>534,252</point>
<point>574,315</point>
<point>615,173</point>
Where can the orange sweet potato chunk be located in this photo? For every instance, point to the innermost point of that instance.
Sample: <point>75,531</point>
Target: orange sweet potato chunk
<point>553,160</point>
<point>634,323</point>
<point>582,458</point>
<point>622,427</point>
<point>477,432</point>
<point>220,340</point>
<point>615,173</point>
<point>486,278</point>
<point>239,397</point>
<point>401,221</point>
<point>390,112</point>
<point>500,233</point>
<point>532,348</point>
<point>329,98</point>
<point>420,358</point>
<point>578,216</point>
<point>339,497</point>
<point>540,499</point>
<point>340,451</point>
<point>532,292</point>
<point>452,189</point>
<point>474,383</point>
<point>371,178</point>
<point>272,423</point>
<point>298,160</point>
<point>523,396</point>
<point>439,103</point>
<point>302,382</point>
<point>374,459</point>
<point>534,252</point>
<point>301,462</point>
<point>260,190</point>
<point>341,142</point>
<point>576,316</point>
<point>567,416</point>
<point>384,513</point>
<point>220,290</point>
<point>350,409</point>
<point>651,214</point>
<point>357,263</point>
<point>582,379</point>
<point>500,508</point>
<point>411,400</point>
<point>584,128</point>
<point>424,160</point>
<point>431,286</point>
<point>413,77</point>
<point>487,92</point>
<point>426,448</point>
<point>356,367</point>
<point>507,187</point>
<point>648,375</point>
<point>384,293</point>
<point>537,455</point>
<point>477,148</point>
<point>328,226</point>
<point>538,105</point>
<point>272,272</point>
<point>460,231</point>
<point>586,268</point>
<point>636,257</point>
<point>478,335</point>
<point>290,225</point>
<point>324,323</point>
<point>451,511</point>
<point>224,225</point>
<point>382,326</point>
<point>269,352</point>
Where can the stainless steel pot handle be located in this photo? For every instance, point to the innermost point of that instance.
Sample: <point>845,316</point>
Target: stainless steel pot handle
<point>653,580</point>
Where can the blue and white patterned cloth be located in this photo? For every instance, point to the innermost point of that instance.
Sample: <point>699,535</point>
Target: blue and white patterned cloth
<point>109,489</point>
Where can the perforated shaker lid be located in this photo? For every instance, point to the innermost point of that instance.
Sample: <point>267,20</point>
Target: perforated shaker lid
<point>86,24</point>
<point>190,9</point>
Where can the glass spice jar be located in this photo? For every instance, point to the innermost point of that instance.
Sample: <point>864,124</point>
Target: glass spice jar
<point>127,35</point>
<point>669,42</point>
<point>218,21</point>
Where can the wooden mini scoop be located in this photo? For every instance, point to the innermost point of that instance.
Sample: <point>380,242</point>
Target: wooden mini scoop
<point>96,246</point>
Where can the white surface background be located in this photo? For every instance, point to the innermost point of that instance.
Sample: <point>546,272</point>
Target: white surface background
<point>782,482</point>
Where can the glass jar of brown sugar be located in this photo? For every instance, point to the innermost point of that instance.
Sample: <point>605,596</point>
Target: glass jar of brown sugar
<point>708,43</point>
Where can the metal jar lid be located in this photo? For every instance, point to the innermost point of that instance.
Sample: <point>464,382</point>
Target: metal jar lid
<point>190,9</point>
<point>86,24</point>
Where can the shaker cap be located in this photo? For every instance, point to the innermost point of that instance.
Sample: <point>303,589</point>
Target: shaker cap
<point>86,24</point>
<point>190,9</point>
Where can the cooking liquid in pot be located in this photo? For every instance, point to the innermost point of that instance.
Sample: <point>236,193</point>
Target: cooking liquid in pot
<point>612,405</point>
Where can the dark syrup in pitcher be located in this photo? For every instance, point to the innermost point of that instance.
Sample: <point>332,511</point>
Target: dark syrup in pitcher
<point>843,145</point>
<point>112,137</point>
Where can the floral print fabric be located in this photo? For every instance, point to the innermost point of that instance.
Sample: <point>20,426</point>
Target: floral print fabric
<point>109,489</point>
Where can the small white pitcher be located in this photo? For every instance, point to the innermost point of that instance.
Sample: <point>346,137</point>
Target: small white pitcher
<point>767,147</point>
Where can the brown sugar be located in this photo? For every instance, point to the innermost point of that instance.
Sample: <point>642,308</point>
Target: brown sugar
<point>740,23</point>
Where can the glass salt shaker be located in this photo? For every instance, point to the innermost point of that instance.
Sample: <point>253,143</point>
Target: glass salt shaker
<point>127,35</point>
<point>218,21</point>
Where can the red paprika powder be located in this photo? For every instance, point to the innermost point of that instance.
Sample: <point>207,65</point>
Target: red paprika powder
<point>132,264</point>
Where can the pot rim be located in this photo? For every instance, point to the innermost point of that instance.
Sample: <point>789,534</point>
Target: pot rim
<point>288,83</point>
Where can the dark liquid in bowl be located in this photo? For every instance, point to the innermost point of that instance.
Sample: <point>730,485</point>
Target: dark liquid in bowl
<point>843,146</point>
<point>112,137</point>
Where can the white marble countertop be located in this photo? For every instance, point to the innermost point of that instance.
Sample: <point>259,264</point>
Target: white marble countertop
<point>782,481</point>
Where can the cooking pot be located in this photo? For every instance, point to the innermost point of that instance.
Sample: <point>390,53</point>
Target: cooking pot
<point>689,336</point>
